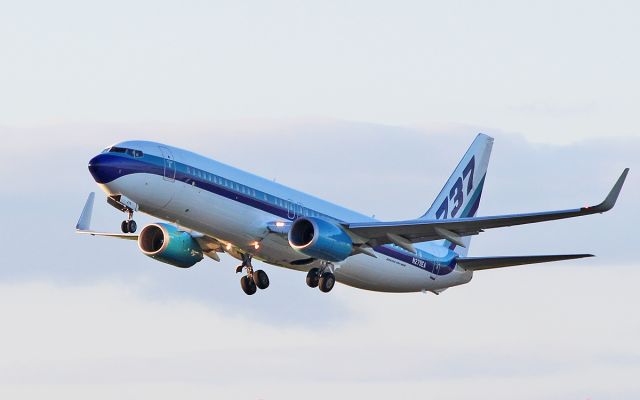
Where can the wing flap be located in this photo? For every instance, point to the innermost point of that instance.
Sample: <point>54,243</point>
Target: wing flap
<point>482,263</point>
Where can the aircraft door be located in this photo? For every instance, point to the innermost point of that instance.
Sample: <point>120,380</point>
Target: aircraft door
<point>169,164</point>
<point>291,209</point>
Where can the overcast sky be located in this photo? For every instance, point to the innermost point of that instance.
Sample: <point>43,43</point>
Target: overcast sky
<point>368,104</point>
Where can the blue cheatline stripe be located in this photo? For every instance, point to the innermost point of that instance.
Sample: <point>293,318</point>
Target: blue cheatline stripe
<point>108,167</point>
<point>472,207</point>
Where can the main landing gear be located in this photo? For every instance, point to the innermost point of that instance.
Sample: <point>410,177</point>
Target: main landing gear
<point>323,279</point>
<point>254,280</point>
<point>129,225</point>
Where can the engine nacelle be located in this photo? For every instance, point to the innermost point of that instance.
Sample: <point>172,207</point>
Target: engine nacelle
<point>164,242</point>
<point>321,239</point>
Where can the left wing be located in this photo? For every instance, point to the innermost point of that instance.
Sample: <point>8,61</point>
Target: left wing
<point>84,223</point>
<point>404,233</point>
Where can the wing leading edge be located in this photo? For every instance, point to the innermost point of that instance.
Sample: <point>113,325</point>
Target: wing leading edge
<point>416,231</point>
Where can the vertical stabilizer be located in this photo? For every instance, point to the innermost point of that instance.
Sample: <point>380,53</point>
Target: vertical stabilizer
<point>460,196</point>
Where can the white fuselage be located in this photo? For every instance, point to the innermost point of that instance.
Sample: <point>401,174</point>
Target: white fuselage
<point>182,194</point>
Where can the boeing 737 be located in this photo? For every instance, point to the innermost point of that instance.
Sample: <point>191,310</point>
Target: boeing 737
<point>208,208</point>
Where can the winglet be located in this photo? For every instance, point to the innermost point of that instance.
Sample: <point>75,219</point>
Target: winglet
<point>611,199</point>
<point>84,222</point>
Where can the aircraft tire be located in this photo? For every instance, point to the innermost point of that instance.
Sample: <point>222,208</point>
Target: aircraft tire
<point>248,285</point>
<point>327,282</point>
<point>124,227</point>
<point>261,279</point>
<point>313,277</point>
<point>132,226</point>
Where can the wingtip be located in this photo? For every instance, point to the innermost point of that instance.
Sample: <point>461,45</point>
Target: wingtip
<point>84,222</point>
<point>613,195</point>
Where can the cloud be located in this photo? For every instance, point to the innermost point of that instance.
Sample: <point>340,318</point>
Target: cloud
<point>503,334</point>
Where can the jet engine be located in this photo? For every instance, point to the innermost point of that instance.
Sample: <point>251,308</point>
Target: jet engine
<point>164,242</point>
<point>320,239</point>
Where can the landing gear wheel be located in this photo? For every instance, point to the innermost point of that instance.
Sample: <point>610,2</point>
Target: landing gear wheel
<point>248,285</point>
<point>313,277</point>
<point>327,281</point>
<point>125,227</point>
<point>132,226</point>
<point>261,279</point>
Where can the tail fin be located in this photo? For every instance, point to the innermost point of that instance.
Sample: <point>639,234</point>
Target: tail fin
<point>460,196</point>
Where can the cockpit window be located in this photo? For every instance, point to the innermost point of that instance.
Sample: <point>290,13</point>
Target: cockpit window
<point>131,152</point>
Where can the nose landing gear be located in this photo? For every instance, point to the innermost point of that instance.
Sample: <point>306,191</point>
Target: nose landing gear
<point>254,279</point>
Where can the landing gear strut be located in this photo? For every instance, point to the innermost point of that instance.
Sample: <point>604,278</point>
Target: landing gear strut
<point>321,278</point>
<point>129,225</point>
<point>254,279</point>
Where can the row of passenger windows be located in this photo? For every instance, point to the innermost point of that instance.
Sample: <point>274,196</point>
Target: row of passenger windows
<point>293,208</point>
<point>122,150</point>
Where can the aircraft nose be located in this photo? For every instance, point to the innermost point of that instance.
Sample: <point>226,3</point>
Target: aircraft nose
<point>104,168</point>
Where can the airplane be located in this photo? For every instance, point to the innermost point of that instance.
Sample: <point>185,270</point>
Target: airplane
<point>208,208</point>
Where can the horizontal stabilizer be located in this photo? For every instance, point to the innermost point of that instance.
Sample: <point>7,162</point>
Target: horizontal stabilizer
<point>480,263</point>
